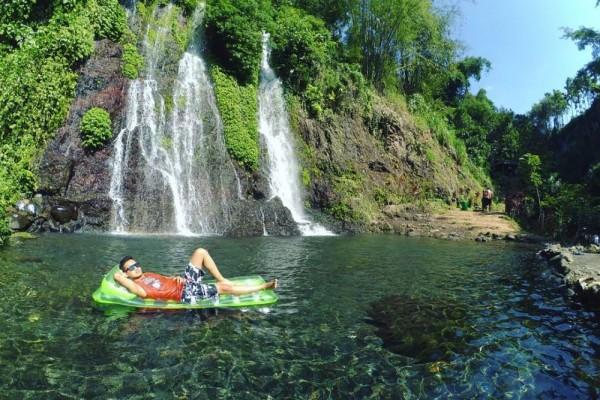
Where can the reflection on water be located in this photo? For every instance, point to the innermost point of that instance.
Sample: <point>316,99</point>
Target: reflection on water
<point>358,317</point>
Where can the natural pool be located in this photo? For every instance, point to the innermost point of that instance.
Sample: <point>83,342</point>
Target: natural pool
<point>382,317</point>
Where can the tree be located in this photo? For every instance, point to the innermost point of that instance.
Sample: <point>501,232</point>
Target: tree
<point>548,114</point>
<point>475,118</point>
<point>504,139</point>
<point>530,168</point>
<point>459,77</point>
<point>585,87</point>
<point>399,43</point>
<point>234,32</point>
<point>333,12</point>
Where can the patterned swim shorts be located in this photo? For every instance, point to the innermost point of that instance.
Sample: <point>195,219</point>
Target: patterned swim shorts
<point>194,289</point>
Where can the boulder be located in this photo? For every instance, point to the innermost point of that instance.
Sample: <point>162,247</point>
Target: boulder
<point>20,221</point>
<point>593,248</point>
<point>63,213</point>
<point>259,186</point>
<point>278,219</point>
<point>425,331</point>
<point>258,218</point>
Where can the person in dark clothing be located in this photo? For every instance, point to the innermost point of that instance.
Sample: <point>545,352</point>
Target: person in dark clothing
<point>486,200</point>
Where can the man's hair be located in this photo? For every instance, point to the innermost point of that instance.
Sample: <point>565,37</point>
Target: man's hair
<point>123,261</point>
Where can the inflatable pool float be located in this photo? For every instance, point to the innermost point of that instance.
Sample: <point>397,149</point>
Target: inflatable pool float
<point>110,292</point>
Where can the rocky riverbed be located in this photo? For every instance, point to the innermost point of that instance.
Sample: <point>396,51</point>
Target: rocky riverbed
<point>452,224</point>
<point>580,268</point>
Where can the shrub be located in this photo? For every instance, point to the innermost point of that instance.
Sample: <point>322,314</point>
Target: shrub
<point>188,6</point>
<point>95,128</point>
<point>4,230</point>
<point>131,61</point>
<point>238,107</point>
<point>69,37</point>
<point>109,19</point>
<point>302,45</point>
<point>35,94</point>
<point>14,15</point>
<point>234,33</point>
<point>37,83</point>
<point>435,117</point>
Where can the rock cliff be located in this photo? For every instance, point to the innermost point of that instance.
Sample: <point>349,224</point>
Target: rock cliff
<point>354,166</point>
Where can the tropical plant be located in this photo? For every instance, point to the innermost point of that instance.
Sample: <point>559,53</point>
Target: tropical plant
<point>96,128</point>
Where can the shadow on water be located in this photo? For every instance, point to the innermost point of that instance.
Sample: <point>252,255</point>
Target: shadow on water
<point>424,330</point>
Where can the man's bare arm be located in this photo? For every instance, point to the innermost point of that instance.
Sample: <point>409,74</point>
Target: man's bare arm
<point>129,284</point>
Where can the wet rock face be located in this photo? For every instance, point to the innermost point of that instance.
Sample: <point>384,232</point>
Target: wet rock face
<point>67,170</point>
<point>255,218</point>
<point>426,332</point>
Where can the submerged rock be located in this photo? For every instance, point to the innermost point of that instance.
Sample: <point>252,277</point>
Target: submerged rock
<point>431,331</point>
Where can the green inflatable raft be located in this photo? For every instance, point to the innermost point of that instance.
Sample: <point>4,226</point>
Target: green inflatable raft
<point>110,292</point>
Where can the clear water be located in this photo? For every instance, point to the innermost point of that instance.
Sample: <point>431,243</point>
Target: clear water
<point>466,321</point>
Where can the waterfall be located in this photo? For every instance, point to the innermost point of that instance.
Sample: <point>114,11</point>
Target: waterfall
<point>170,170</point>
<point>282,164</point>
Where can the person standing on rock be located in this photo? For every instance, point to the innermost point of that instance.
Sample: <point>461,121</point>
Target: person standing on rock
<point>486,200</point>
<point>188,289</point>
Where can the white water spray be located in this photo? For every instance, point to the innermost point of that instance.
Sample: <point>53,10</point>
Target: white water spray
<point>171,171</point>
<point>284,173</point>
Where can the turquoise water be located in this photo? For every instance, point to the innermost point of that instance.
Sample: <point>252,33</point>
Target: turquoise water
<point>381,317</point>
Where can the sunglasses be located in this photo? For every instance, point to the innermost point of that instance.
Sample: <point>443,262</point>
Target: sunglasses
<point>132,267</point>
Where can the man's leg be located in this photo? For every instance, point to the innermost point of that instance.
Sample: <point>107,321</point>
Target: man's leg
<point>229,288</point>
<point>200,258</point>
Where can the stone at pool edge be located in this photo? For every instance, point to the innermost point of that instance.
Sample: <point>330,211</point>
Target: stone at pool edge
<point>63,213</point>
<point>23,235</point>
<point>20,220</point>
<point>16,238</point>
<point>581,277</point>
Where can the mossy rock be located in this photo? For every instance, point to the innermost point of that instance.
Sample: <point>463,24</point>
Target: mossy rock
<point>23,236</point>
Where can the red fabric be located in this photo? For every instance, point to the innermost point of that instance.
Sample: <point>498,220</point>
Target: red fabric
<point>160,287</point>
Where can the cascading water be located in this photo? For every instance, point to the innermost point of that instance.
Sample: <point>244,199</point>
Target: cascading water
<point>283,170</point>
<point>171,171</point>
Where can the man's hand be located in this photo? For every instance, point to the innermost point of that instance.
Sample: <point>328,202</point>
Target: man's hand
<point>179,279</point>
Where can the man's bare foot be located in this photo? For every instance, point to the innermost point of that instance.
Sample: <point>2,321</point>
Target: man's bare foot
<point>272,284</point>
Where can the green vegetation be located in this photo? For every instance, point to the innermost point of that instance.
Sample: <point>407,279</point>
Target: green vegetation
<point>109,19</point>
<point>40,45</point>
<point>96,128</point>
<point>132,61</point>
<point>234,32</point>
<point>238,106</point>
<point>305,56</point>
<point>335,58</point>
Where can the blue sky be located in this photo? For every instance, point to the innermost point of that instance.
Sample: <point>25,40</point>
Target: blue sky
<point>523,41</point>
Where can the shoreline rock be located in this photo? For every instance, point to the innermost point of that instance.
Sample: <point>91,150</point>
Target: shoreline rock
<point>580,268</point>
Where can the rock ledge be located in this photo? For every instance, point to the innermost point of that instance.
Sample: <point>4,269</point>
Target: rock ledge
<point>580,267</point>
